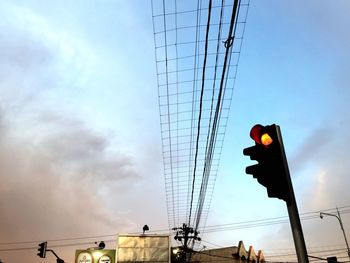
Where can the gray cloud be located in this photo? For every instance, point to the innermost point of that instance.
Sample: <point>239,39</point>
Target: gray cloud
<point>62,171</point>
<point>55,182</point>
<point>311,147</point>
<point>59,176</point>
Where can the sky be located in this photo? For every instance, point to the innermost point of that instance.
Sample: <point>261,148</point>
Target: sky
<point>80,136</point>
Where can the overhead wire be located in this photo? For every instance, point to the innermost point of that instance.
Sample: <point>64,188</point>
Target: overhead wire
<point>167,90</point>
<point>338,250</point>
<point>276,220</point>
<point>193,10</point>
<point>266,221</point>
<point>206,170</point>
<point>194,100</point>
<point>158,84</point>
<point>177,109</point>
<point>200,203</point>
<point>200,111</point>
<point>182,89</point>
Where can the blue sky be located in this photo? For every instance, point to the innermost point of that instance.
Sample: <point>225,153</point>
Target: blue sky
<point>292,72</point>
<point>81,149</point>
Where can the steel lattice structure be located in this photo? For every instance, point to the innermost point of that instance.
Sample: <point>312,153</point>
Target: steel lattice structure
<point>197,50</point>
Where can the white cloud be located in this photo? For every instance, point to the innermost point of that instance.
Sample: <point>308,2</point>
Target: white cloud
<point>61,175</point>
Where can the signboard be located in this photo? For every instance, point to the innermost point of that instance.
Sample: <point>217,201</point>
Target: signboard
<point>105,259</point>
<point>84,257</point>
<point>143,248</point>
<point>95,256</point>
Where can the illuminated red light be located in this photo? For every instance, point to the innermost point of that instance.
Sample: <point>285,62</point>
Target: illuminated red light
<point>260,136</point>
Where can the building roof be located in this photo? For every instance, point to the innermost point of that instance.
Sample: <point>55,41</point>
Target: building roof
<point>229,254</point>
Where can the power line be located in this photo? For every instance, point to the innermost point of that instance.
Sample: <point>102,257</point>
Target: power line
<point>200,110</point>
<point>53,246</point>
<point>184,75</point>
<point>216,119</point>
<point>238,225</point>
<point>206,161</point>
<point>267,221</point>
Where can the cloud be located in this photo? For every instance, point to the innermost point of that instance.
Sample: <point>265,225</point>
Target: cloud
<point>60,176</point>
<point>53,164</point>
<point>63,173</point>
<point>308,151</point>
<point>57,173</point>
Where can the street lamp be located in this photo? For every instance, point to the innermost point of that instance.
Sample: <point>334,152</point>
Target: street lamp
<point>341,226</point>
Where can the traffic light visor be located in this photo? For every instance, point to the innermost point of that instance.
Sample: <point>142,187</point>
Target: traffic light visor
<point>259,134</point>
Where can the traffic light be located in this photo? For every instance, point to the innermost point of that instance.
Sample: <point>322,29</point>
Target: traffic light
<point>271,170</point>
<point>332,259</point>
<point>42,249</point>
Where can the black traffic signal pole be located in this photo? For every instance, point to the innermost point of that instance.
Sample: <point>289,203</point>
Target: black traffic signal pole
<point>58,259</point>
<point>43,249</point>
<point>293,213</point>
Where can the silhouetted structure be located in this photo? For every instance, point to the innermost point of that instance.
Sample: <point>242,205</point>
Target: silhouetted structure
<point>228,254</point>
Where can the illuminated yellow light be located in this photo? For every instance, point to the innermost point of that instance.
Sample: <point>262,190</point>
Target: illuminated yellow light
<point>266,139</point>
<point>97,254</point>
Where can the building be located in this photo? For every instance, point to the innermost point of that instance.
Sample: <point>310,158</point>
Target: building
<point>236,254</point>
<point>157,248</point>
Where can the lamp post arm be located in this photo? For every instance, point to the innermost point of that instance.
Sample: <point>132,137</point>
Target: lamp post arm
<point>342,228</point>
<point>323,213</point>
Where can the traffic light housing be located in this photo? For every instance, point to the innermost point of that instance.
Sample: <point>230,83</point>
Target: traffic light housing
<point>42,249</point>
<point>271,170</point>
<point>332,259</point>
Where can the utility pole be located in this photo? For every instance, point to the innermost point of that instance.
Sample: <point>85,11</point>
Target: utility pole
<point>341,226</point>
<point>183,234</point>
